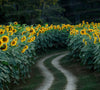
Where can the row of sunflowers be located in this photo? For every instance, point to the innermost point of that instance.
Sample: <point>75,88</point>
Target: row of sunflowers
<point>18,47</point>
<point>85,44</point>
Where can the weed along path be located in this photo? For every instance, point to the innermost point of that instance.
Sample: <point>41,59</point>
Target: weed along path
<point>49,76</point>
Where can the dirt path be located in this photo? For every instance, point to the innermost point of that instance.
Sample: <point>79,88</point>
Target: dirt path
<point>49,78</point>
<point>71,79</point>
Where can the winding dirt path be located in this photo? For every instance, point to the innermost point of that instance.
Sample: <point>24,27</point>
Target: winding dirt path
<point>71,79</point>
<point>49,78</point>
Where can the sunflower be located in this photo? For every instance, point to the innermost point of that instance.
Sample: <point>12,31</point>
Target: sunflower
<point>23,38</point>
<point>10,33</point>
<point>83,32</point>
<point>23,32</point>
<point>14,30</point>
<point>1,43</point>
<point>36,29</point>
<point>16,39</point>
<point>13,43</point>
<point>5,39</point>
<point>71,32</point>
<point>23,50</point>
<point>2,32</point>
<point>83,22</point>
<point>94,34</point>
<point>95,40</point>
<point>26,47</point>
<point>85,42</point>
<point>77,32</point>
<point>33,38</point>
<point>11,28</point>
<point>90,37</point>
<point>90,30</point>
<point>40,31</point>
<point>87,23</point>
<point>4,47</point>
<point>59,29</point>
<point>38,34</point>
<point>15,23</point>
<point>29,40</point>
<point>7,28</point>
<point>32,31</point>
<point>27,28</point>
<point>30,35</point>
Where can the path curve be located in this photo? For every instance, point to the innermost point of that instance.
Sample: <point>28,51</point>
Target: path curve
<point>71,79</point>
<point>49,78</point>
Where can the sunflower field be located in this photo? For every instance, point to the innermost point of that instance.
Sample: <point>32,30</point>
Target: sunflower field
<point>19,45</point>
<point>85,44</point>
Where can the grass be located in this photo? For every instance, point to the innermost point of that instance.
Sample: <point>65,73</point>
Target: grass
<point>36,76</point>
<point>87,80</point>
<point>33,82</point>
<point>60,80</point>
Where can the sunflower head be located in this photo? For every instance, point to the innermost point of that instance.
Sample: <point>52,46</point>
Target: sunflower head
<point>5,39</point>
<point>13,43</point>
<point>90,30</point>
<point>10,33</point>
<point>4,47</point>
<point>2,32</point>
<point>23,32</point>
<point>15,23</point>
<point>14,30</point>
<point>29,40</point>
<point>77,32</point>
<point>38,34</point>
<point>85,42</point>
<point>83,32</point>
<point>23,50</point>
<point>16,39</point>
<point>23,38</point>
<point>32,31</point>
<point>1,43</point>
<point>26,47</point>
<point>71,32</point>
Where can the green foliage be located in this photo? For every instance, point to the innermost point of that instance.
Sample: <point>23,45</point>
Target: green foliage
<point>32,12</point>
<point>51,39</point>
<point>15,66</point>
<point>75,44</point>
<point>83,52</point>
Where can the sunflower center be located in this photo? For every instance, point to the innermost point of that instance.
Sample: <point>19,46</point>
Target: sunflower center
<point>14,30</point>
<point>82,31</point>
<point>3,47</point>
<point>4,39</point>
<point>13,42</point>
<point>31,30</point>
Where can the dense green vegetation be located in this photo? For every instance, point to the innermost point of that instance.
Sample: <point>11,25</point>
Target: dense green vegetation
<point>87,79</point>
<point>31,11</point>
<point>49,11</point>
